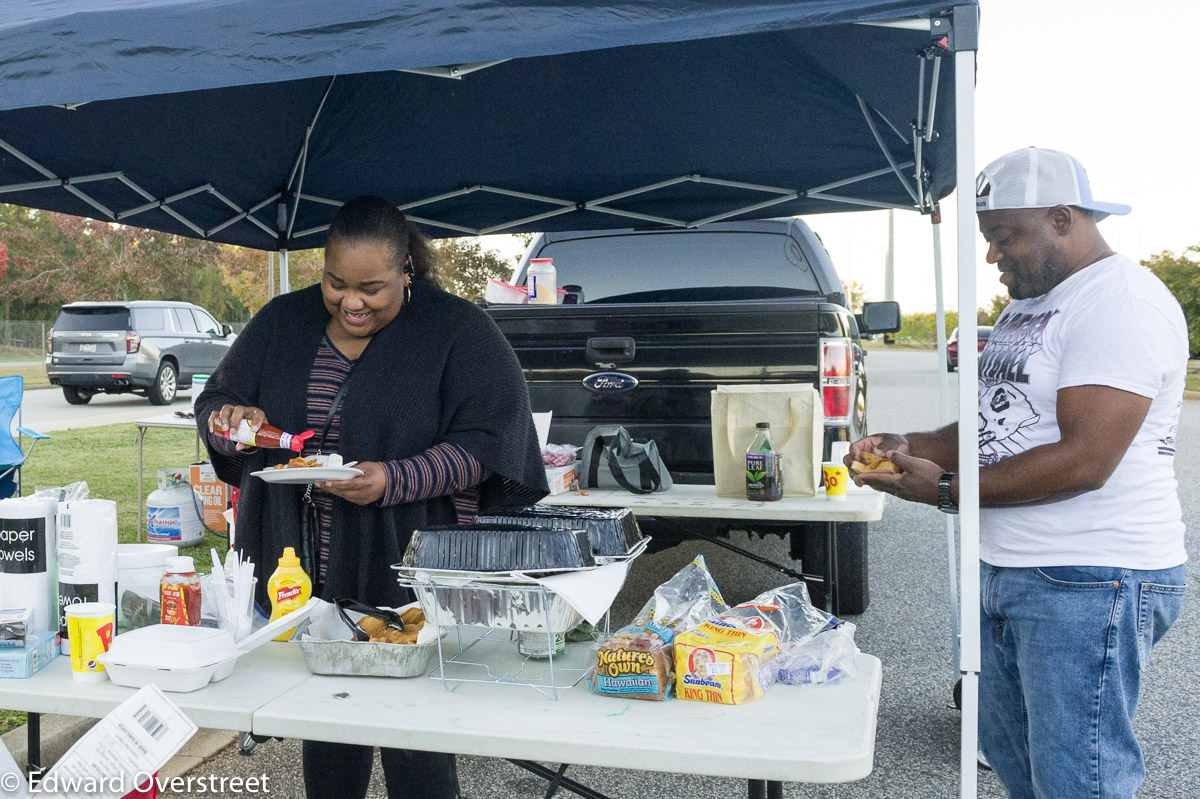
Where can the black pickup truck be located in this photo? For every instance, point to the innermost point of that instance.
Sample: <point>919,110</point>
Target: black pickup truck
<point>667,315</point>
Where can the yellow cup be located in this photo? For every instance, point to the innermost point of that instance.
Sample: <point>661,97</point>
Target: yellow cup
<point>90,631</point>
<point>836,478</point>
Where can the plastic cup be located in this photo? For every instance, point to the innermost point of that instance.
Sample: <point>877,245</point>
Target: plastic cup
<point>836,478</point>
<point>198,383</point>
<point>90,631</point>
<point>838,451</point>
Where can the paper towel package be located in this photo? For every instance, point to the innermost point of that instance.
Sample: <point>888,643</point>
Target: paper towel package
<point>28,559</point>
<point>87,555</point>
<point>20,662</point>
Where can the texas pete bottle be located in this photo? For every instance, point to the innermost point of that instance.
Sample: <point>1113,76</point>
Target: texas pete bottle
<point>267,436</point>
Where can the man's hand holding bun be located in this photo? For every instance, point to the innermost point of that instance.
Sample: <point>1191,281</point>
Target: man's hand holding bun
<point>879,444</point>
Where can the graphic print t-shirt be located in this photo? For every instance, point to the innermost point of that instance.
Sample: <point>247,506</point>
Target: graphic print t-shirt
<point>1110,324</point>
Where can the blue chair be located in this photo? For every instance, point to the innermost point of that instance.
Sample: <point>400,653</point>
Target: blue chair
<point>13,453</point>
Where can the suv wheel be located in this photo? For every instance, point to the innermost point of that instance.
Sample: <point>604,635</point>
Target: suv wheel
<point>165,386</point>
<point>78,396</point>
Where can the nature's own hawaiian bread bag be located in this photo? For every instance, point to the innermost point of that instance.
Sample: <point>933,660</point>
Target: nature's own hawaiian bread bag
<point>794,412</point>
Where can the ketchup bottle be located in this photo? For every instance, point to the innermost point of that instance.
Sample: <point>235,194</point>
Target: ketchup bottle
<point>267,436</point>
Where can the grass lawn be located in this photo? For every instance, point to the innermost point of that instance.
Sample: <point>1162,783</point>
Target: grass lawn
<point>34,375</point>
<point>20,354</point>
<point>106,457</point>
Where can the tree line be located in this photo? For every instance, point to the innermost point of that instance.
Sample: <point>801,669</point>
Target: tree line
<point>1180,273</point>
<point>47,259</point>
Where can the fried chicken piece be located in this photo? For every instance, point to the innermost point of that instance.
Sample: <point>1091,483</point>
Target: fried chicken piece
<point>380,632</point>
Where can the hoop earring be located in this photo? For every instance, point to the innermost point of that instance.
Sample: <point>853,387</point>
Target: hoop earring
<point>407,292</point>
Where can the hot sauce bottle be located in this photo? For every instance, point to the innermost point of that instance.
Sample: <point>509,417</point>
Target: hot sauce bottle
<point>179,592</point>
<point>267,436</point>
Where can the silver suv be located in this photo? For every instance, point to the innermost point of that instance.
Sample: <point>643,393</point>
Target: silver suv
<point>152,348</point>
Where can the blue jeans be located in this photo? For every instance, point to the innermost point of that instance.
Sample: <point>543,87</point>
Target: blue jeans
<point>1063,648</point>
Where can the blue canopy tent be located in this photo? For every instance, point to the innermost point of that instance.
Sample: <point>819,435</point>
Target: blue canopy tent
<point>249,121</point>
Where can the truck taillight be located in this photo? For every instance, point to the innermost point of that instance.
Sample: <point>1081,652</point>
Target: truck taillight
<point>50,343</point>
<point>837,401</point>
<point>835,358</point>
<point>836,374</point>
<point>133,342</point>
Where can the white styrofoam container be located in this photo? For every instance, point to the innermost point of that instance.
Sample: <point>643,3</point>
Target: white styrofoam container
<point>181,659</point>
<point>178,680</point>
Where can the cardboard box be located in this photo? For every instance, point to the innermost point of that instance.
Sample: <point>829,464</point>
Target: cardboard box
<point>562,478</point>
<point>214,492</point>
<point>25,661</point>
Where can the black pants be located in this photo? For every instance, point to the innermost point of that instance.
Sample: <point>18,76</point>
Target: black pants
<point>343,771</point>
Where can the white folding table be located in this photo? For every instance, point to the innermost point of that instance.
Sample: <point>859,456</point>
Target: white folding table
<point>258,677</point>
<point>771,740</point>
<point>702,502</point>
<point>168,420</point>
<point>272,693</point>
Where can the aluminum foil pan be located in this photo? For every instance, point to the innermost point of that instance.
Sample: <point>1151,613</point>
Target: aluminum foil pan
<point>527,608</point>
<point>365,658</point>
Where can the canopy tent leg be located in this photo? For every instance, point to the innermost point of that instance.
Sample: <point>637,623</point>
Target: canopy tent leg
<point>944,405</point>
<point>966,35</point>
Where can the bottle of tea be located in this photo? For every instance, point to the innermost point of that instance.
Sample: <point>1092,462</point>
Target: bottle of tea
<point>764,467</point>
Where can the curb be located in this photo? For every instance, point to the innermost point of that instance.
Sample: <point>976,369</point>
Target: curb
<point>59,733</point>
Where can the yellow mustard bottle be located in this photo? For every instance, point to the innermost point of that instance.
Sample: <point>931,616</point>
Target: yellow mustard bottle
<point>289,589</point>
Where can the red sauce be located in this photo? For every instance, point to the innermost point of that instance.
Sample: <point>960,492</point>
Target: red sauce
<point>179,595</point>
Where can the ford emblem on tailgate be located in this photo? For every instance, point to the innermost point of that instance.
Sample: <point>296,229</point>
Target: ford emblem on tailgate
<point>604,382</point>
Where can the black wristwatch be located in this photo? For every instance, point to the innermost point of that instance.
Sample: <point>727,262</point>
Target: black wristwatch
<point>946,503</point>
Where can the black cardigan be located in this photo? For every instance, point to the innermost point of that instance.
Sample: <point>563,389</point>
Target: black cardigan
<point>440,371</point>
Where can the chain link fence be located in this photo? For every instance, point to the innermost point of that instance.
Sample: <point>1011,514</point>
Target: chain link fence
<point>24,335</point>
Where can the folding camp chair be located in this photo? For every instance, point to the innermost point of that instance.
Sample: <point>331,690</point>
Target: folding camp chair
<point>13,453</point>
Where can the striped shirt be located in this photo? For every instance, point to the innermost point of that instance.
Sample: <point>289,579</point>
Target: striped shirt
<point>442,470</point>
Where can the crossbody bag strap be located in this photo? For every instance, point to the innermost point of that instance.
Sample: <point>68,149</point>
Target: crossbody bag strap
<point>333,409</point>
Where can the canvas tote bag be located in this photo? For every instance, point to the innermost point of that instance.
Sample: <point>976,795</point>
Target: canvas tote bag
<point>797,431</point>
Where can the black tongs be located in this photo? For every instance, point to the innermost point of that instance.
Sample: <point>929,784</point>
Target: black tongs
<point>390,617</point>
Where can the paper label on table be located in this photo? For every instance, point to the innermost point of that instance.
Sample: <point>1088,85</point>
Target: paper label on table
<point>123,750</point>
<point>590,592</point>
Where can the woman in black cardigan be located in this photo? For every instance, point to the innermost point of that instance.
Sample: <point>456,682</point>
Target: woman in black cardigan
<point>432,404</point>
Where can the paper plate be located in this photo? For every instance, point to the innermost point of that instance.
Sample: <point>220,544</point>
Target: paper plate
<point>311,474</point>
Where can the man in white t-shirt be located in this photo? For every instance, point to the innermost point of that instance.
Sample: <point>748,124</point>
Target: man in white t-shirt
<point>1082,550</point>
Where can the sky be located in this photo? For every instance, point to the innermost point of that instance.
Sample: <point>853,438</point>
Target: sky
<point>1116,84</point>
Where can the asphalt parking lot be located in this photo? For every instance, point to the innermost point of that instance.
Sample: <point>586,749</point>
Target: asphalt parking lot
<point>907,627</point>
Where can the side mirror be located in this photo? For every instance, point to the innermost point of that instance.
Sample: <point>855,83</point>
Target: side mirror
<point>879,317</point>
<point>226,331</point>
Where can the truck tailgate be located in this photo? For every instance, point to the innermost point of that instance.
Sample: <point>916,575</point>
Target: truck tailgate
<point>680,352</point>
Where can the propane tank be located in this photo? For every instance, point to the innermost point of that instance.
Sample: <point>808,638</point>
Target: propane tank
<point>171,515</point>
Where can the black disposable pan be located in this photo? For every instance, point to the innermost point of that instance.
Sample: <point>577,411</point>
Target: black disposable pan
<point>498,548</point>
<point>610,531</point>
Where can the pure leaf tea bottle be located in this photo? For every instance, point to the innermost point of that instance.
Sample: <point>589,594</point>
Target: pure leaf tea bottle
<point>764,467</point>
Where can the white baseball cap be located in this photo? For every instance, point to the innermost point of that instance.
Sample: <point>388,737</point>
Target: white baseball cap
<point>1038,178</point>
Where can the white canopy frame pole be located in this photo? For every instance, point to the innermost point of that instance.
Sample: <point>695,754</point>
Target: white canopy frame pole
<point>944,405</point>
<point>966,33</point>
